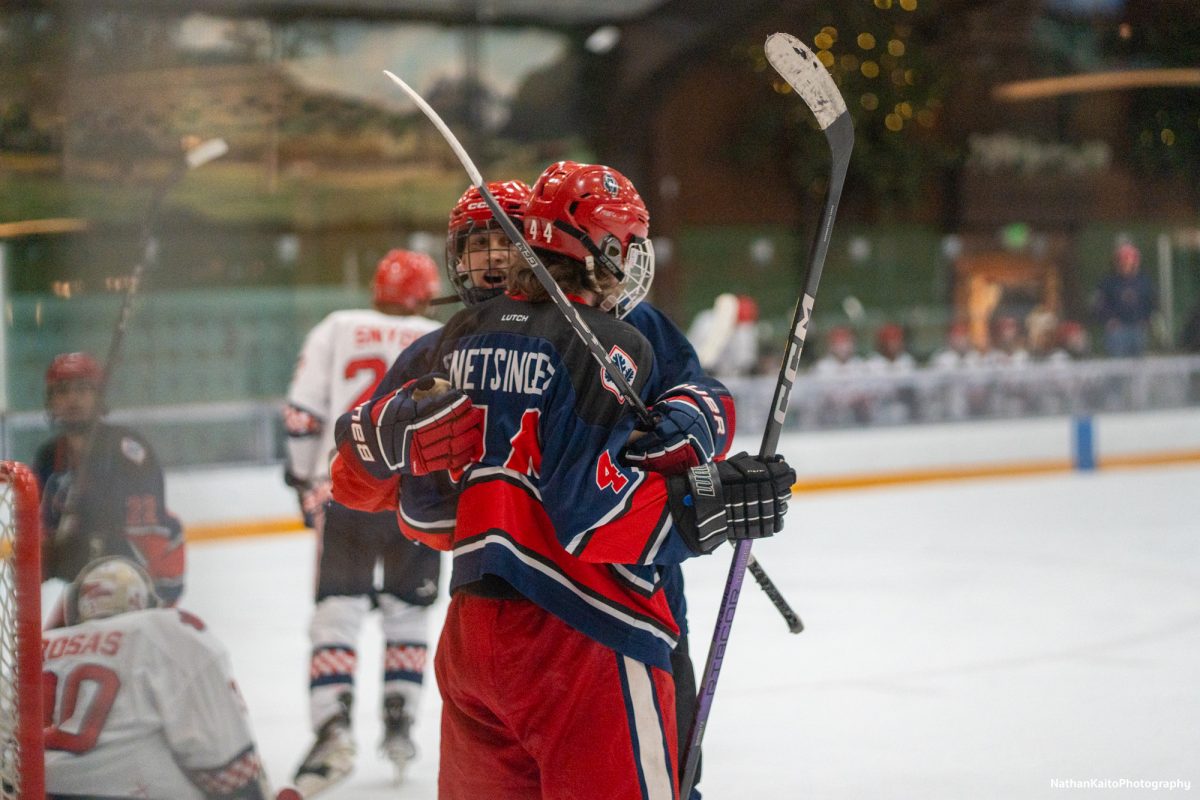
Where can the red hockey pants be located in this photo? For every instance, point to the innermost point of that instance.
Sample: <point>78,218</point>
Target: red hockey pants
<point>534,710</point>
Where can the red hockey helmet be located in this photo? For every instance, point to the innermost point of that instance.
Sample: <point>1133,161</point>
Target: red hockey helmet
<point>405,278</point>
<point>890,334</point>
<point>593,214</point>
<point>747,309</point>
<point>472,215</point>
<point>74,367</point>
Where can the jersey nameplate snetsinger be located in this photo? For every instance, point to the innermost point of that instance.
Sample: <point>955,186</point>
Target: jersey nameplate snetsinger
<point>500,369</point>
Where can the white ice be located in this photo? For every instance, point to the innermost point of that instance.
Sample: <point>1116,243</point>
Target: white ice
<point>965,640</point>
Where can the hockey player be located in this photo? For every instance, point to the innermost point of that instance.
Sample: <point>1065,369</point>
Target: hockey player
<point>558,543</point>
<point>114,503</point>
<point>478,255</point>
<point>342,361</point>
<point>141,701</point>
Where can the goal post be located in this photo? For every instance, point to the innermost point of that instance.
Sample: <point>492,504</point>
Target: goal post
<point>22,766</point>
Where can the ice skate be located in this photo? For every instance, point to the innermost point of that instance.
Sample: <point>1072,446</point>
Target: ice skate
<point>397,745</point>
<point>329,761</point>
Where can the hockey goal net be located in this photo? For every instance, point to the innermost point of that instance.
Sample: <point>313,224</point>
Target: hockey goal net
<point>21,765</point>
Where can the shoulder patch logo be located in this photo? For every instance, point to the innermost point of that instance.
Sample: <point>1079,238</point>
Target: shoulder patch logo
<point>133,450</point>
<point>625,364</point>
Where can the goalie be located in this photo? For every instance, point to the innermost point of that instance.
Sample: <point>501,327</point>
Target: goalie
<point>141,700</point>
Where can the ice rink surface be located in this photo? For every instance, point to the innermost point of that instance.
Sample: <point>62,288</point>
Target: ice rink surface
<point>965,640</point>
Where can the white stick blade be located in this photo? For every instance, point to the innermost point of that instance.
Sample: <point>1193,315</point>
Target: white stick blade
<point>804,72</point>
<point>447,134</point>
<point>205,152</point>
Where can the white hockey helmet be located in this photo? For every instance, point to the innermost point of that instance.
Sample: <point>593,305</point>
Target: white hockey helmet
<point>107,587</point>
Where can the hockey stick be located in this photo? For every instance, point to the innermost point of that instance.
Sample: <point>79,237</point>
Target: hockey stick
<point>567,308</point>
<point>794,623</point>
<point>799,66</point>
<point>197,156</point>
<point>194,157</point>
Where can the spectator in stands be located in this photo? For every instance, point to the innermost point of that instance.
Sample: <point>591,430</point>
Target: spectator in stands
<point>895,400</point>
<point>842,400</point>
<point>891,354</point>
<point>958,351</point>
<point>956,395</point>
<point>1010,393</point>
<point>841,354</point>
<point>1124,303</point>
<point>1043,334</point>
<point>1073,341</point>
<point>1008,344</point>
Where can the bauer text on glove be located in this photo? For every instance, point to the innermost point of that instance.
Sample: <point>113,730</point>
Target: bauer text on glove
<point>424,426</point>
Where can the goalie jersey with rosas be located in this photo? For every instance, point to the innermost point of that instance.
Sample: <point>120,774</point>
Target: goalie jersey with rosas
<point>144,705</point>
<point>549,508</point>
<point>343,359</point>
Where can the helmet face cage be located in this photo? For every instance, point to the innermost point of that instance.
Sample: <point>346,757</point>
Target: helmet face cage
<point>478,254</point>
<point>481,273</point>
<point>639,275</point>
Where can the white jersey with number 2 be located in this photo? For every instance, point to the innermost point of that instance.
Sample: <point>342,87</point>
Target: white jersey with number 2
<point>143,704</point>
<point>344,358</point>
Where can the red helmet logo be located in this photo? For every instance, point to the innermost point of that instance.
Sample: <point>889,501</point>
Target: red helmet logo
<point>405,278</point>
<point>582,210</point>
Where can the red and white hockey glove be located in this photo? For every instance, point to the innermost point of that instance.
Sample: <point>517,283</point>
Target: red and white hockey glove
<point>681,438</point>
<point>424,426</point>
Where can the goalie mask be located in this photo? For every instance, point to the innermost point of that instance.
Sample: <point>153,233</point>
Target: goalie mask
<point>107,587</point>
<point>478,253</point>
<point>405,279</point>
<point>593,214</point>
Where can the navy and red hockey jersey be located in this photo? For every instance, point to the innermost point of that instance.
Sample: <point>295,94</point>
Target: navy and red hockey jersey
<point>120,511</point>
<point>550,508</point>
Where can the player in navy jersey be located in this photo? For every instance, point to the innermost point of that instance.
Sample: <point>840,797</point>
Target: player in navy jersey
<point>560,544</point>
<point>478,257</point>
<point>342,361</point>
<point>102,486</point>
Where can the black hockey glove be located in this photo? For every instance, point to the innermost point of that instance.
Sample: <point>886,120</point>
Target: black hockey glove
<point>742,497</point>
<point>424,426</point>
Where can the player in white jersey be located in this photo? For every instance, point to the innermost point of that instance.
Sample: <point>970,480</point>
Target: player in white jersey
<point>141,700</point>
<point>343,359</point>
